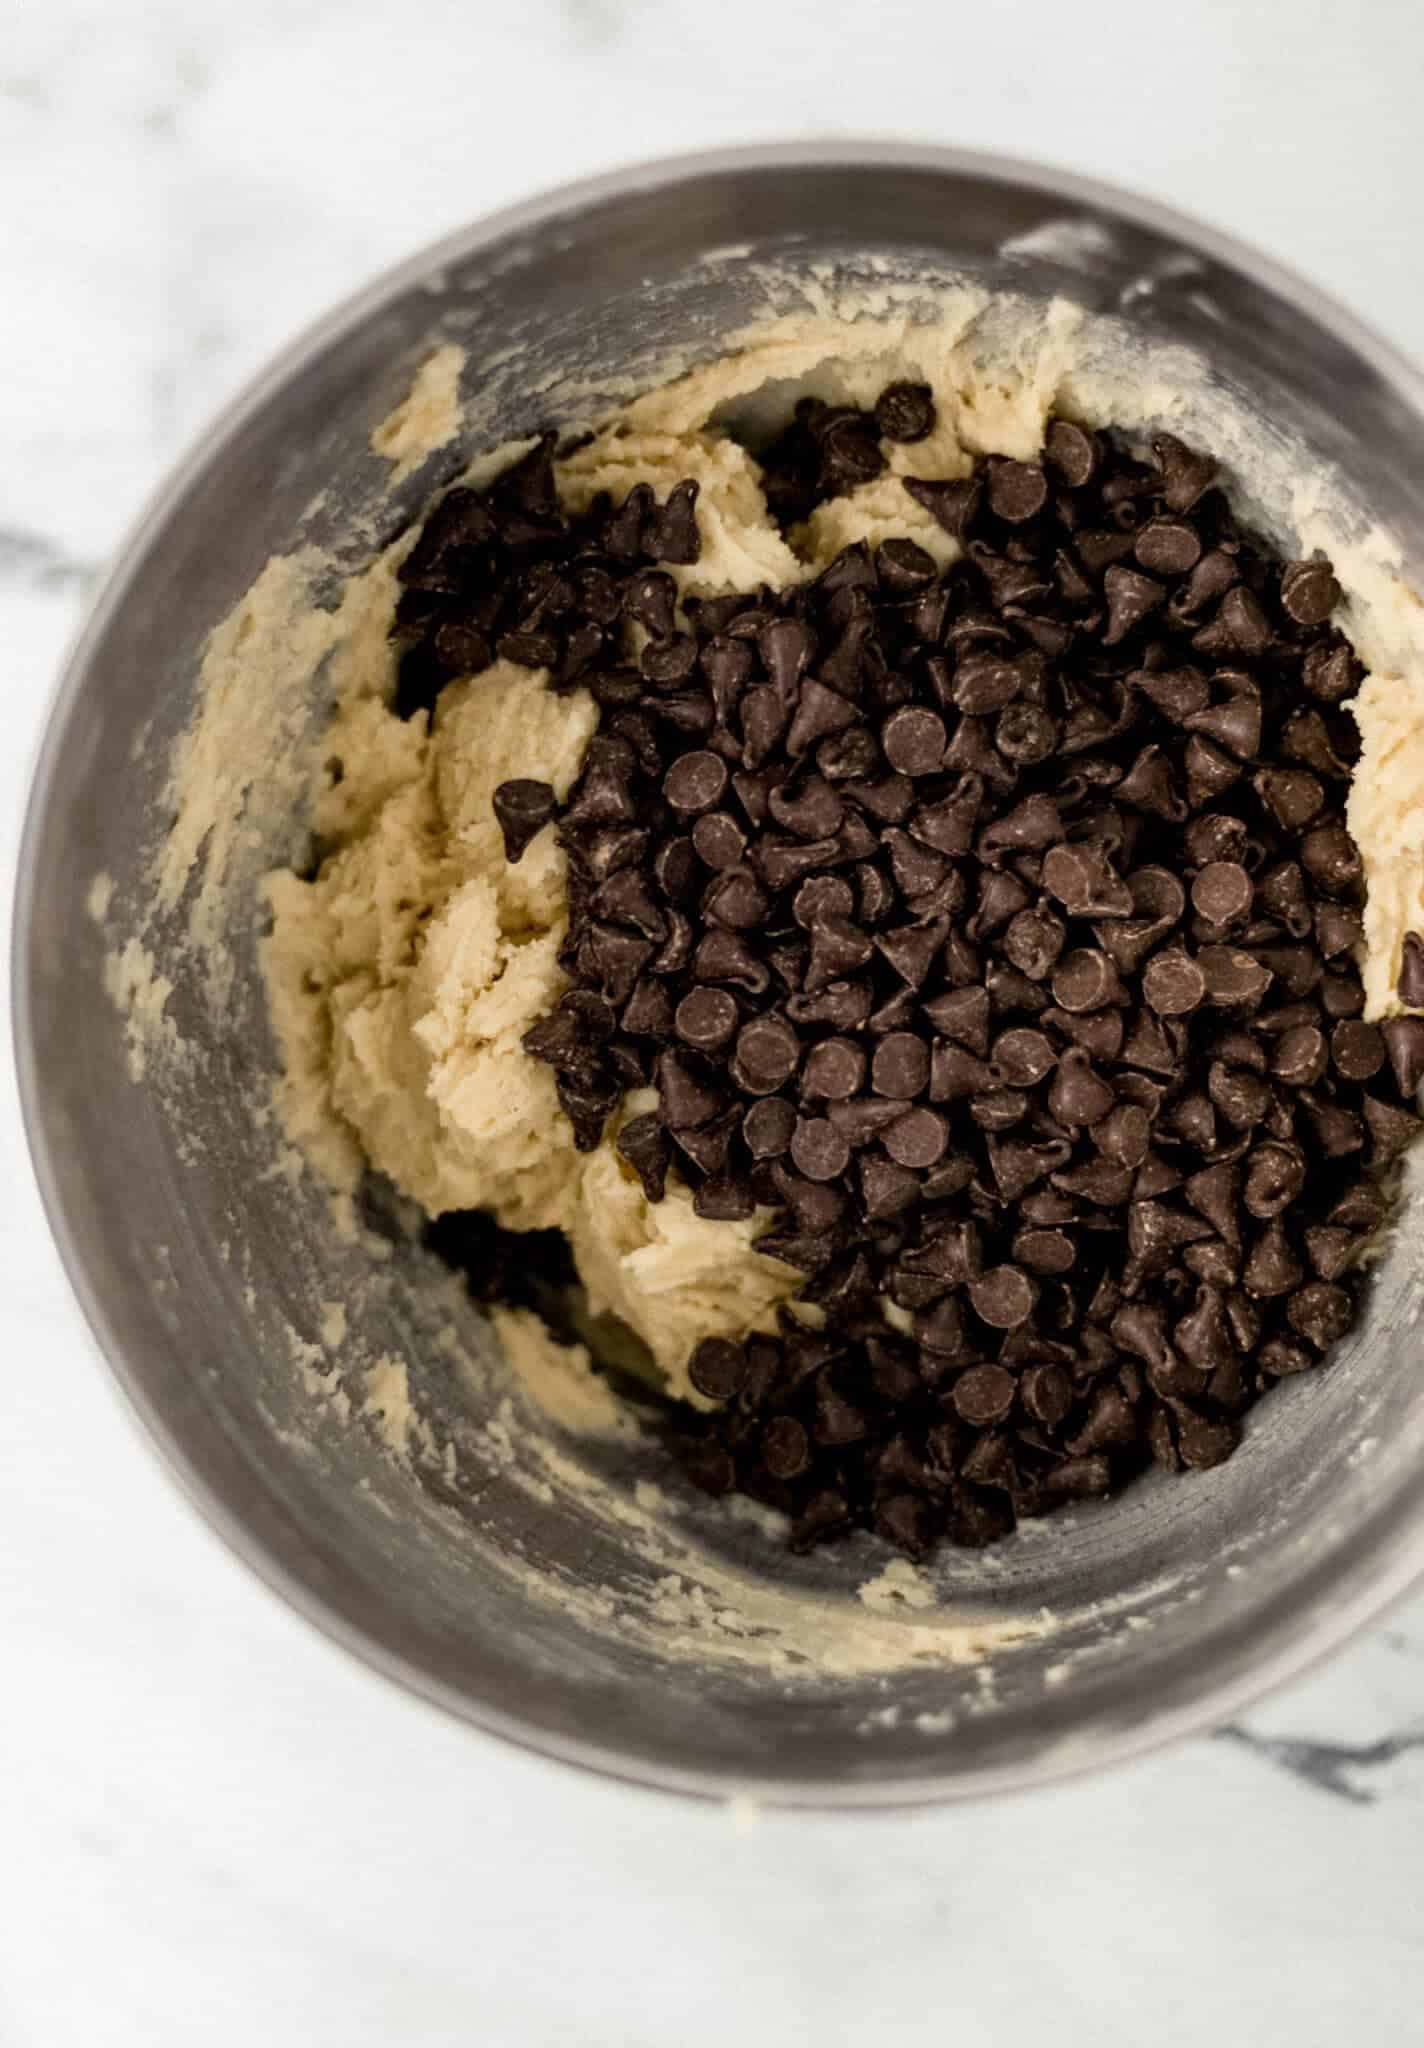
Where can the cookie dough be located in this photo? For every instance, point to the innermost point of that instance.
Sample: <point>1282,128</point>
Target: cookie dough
<point>403,978</point>
<point>404,975</point>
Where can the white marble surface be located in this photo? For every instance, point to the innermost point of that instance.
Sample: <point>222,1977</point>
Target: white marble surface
<point>212,1825</point>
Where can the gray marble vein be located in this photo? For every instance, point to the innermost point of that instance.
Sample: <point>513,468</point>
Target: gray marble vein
<point>1344,1769</point>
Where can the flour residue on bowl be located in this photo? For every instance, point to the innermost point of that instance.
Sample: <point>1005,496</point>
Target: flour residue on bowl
<point>427,418</point>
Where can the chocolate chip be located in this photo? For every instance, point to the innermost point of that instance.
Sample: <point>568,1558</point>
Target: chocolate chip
<point>706,1019</point>
<point>1174,983</point>
<point>919,1139</point>
<point>1338,1131</point>
<point>1305,737</point>
<point>1239,627</point>
<point>1232,977</point>
<point>767,1127</point>
<point>672,534</point>
<point>1083,881</point>
<point>813,812</point>
<point>1167,547</point>
<point>1044,1251</point>
<point>886,1189</point>
<point>913,740</point>
<point>1277,1358</point>
<point>1309,592</point>
<point>834,1070</point>
<point>1341,993</point>
<point>1018,491</point>
<point>1026,734</point>
<point>1293,796</point>
<point>696,782</point>
<point>984,1395</point>
<point>901,1066</point>
<point>767,1054</point>
<point>1131,597</point>
<point>1300,1056</point>
<point>1186,474</point>
<point>819,713</point>
<point>1272,1267</point>
<point>1003,1297</point>
<point>1320,1313</point>
<point>905,412</point>
<point>1391,1131</point>
<point>818,1149</point>
<point>1123,1134</point>
<point>1078,1095</point>
<point>785,1448</point>
<point>644,1144</point>
<point>1070,453</point>
<point>1404,1038</point>
<point>1330,1249</point>
<point>1332,860</point>
<point>951,505</point>
<point>1203,1441</point>
<point>522,809</point>
<point>1275,1175</point>
<point>718,840</point>
<point>1410,985</point>
<point>1022,1056</point>
<point>717,1368</point>
<point>1330,673</point>
<point>1222,893</point>
<point>1085,979</point>
<point>1215,1194</point>
<point>1235,726</point>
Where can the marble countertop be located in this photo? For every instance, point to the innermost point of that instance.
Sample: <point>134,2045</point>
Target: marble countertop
<point>215,1826</point>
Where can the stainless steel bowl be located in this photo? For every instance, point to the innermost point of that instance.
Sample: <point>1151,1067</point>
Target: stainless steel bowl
<point>1175,1604</point>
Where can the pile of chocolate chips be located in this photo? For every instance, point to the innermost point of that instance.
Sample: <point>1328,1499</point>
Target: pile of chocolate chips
<point>993,927</point>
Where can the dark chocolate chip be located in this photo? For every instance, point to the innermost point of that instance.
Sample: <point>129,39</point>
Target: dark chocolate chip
<point>919,1139</point>
<point>1332,860</point>
<point>1320,1312</point>
<point>984,1395</point>
<point>767,1127</point>
<point>644,1144</point>
<point>1018,491</point>
<point>785,1448</point>
<point>718,840</point>
<point>834,1070</point>
<point>1174,983</point>
<point>1309,592</point>
<point>818,1149</point>
<point>1409,986</point>
<point>1131,597</point>
<point>717,1368</point>
<point>522,808</point>
<point>687,1098</point>
<point>1404,1038</point>
<point>1003,1297</point>
<point>1167,547</point>
<point>1272,1267</point>
<point>1083,881</point>
<point>1186,474</point>
<point>901,1066</point>
<point>706,1019</point>
<point>767,1054</point>
<point>913,739</point>
<point>905,412</point>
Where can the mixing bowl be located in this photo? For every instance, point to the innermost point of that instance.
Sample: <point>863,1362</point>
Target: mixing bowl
<point>579,1600</point>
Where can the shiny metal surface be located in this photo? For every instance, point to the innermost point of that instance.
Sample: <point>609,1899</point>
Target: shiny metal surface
<point>1320,1517</point>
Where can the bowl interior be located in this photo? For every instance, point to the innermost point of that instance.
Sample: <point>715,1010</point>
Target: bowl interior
<point>581,1598</point>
